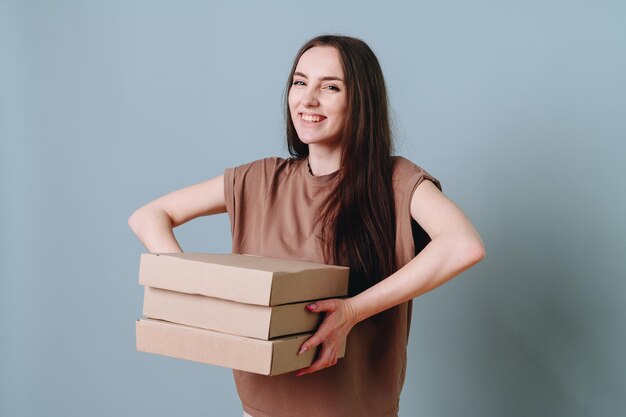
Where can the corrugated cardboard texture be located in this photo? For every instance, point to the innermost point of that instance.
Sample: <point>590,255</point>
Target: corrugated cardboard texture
<point>261,322</point>
<point>243,278</point>
<point>259,356</point>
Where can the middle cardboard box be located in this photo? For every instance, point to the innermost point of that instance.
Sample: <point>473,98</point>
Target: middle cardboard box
<point>260,322</point>
<point>243,295</point>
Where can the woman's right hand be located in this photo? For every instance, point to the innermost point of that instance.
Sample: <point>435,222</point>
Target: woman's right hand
<point>154,223</point>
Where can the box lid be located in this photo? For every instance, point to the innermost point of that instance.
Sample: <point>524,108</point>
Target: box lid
<point>243,278</point>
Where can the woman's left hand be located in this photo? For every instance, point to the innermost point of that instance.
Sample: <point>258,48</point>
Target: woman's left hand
<point>332,333</point>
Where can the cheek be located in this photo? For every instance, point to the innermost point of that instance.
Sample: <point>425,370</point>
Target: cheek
<point>340,113</point>
<point>340,108</point>
<point>292,110</point>
<point>292,100</point>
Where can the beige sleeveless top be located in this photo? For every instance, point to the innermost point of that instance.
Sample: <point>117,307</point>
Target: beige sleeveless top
<point>273,204</point>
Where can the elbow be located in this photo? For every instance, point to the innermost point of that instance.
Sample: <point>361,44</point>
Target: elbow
<point>468,251</point>
<point>136,220</point>
<point>148,217</point>
<point>473,251</point>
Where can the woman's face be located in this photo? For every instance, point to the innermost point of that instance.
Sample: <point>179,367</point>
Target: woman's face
<point>317,97</point>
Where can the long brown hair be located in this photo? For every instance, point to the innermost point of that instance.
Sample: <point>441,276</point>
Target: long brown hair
<point>357,223</point>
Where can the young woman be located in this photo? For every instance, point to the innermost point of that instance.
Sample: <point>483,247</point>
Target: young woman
<point>342,199</point>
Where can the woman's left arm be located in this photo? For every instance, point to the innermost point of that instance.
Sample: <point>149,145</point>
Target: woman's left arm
<point>454,247</point>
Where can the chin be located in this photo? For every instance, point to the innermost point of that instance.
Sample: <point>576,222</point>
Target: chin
<point>312,139</point>
<point>307,138</point>
<point>308,141</point>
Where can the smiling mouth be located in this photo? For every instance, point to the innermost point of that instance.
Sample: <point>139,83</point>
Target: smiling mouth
<point>312,118</point>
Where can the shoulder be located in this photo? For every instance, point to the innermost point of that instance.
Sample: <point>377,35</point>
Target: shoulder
<point>262,172</point>
<point>406,174</point>
<point>403,168</point>
<point>264,167</point>
<point>264,164</point>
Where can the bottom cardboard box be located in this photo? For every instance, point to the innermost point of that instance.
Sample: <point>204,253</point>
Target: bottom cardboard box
<point>266,357</point>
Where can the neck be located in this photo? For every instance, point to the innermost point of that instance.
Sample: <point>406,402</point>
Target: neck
<point>323,161</point>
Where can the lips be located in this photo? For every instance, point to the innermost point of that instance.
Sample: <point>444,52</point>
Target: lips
<point>312,118</point>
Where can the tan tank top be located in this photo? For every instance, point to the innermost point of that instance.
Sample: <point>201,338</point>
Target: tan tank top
<point>273,204</point>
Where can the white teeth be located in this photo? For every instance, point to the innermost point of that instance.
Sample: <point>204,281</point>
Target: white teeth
<point>311,118</point>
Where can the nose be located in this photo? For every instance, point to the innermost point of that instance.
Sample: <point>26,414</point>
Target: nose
<point>309,98</point>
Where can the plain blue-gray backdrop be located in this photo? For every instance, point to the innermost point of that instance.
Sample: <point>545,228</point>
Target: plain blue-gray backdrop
<point>517,106</point>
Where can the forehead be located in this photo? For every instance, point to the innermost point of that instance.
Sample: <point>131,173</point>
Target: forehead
<point>320,61</point>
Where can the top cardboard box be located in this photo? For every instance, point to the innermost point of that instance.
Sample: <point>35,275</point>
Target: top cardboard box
<point>243,278</point>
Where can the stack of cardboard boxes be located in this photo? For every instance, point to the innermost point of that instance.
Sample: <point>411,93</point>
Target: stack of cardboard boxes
<point>239,311</point>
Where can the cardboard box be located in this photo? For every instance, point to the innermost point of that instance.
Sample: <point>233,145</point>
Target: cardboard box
<point>243,278</point>
<point>264,357</point>
<point>261,322</point>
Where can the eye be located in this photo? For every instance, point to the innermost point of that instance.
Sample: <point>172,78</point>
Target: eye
<point>297,82</point>
<point>332,87</point>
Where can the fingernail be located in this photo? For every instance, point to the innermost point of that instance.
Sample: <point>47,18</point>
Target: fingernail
<point>311,306</point>
<point>302,350</point>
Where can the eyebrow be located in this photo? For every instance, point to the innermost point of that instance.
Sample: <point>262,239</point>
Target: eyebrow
<point>327,78</point>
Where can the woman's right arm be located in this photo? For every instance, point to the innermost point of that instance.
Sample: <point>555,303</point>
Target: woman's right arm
<point>154,223</point>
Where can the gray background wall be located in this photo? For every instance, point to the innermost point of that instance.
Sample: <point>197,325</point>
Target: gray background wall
<point>518,107</point>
